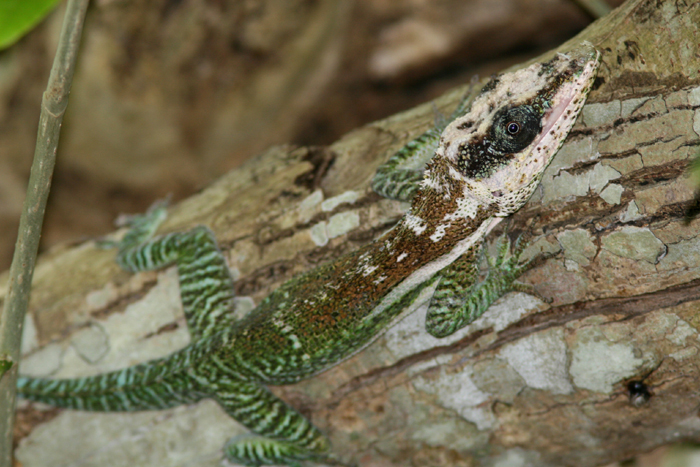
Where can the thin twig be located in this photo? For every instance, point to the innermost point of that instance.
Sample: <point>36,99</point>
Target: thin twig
<point>53,106</point>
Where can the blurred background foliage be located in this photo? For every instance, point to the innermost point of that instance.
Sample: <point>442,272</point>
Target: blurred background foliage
<point>17,17</point>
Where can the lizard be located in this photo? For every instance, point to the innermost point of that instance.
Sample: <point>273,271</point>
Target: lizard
<point>482,168</point>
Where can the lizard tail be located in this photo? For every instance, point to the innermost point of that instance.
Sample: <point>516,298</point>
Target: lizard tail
<point>157,384</point>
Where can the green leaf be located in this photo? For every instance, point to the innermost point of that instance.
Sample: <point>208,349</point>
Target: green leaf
<point>18,17</point>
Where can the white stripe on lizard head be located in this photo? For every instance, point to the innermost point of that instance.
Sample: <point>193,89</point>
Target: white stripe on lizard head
<point>498,151</point>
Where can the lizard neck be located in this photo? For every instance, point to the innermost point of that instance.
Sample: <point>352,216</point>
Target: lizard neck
<point>444,221</point>
<point>446,208</point>
<point>440,227</point>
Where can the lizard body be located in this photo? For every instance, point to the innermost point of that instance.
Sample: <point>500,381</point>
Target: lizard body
<point>487,164</point>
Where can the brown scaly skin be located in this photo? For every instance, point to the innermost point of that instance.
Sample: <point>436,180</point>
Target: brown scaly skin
<point>486,166</point>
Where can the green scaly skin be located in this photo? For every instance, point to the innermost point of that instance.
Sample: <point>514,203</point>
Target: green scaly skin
<point>487,164</point>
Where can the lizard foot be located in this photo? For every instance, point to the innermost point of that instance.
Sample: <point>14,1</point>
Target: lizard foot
<point>505,268</point>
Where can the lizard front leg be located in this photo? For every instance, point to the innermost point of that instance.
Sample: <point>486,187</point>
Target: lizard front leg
<point>460,298</point>
<point>400,176</point>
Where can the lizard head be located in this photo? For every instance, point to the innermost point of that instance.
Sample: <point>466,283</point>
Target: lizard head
<point>497,152</point>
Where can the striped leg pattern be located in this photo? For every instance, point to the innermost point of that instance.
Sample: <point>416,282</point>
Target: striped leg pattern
<point>393,182</point>
<point>206,286</point>
<point>283,435</point>
<point>460,299</point>
<point>400,177</point>
<point>166,382</point>
<point>159,384</point>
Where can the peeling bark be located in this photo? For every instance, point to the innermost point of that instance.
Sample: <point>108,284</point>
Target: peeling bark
<point>530,382</point>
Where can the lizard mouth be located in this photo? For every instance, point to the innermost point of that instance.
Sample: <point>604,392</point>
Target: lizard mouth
<point>562,117</point>
<point>557,121</point>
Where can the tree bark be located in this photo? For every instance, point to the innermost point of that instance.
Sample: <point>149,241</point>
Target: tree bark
<point>530,383</point>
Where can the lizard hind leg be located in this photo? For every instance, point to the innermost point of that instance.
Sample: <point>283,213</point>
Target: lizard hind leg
<point>206,285</point>
<point>282,435</point>
<point>460,298</point>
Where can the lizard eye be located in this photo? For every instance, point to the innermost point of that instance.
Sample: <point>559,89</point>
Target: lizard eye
<point>514,128</point>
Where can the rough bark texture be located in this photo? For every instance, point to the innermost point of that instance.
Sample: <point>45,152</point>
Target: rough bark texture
<point>530,383</point>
